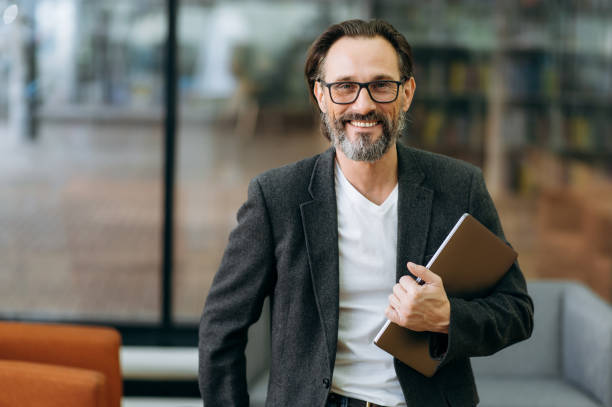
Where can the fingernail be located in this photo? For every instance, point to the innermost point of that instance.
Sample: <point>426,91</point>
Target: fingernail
<point>410,264</point>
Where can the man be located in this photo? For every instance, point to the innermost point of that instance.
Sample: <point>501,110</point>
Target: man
<point>336,241</point>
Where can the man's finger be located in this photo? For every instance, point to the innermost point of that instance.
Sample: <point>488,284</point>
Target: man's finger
<point>391,314</point>
<point>410,283</point>
<point>400,291</point>
<point>423,273</point>
<point>394,301</point>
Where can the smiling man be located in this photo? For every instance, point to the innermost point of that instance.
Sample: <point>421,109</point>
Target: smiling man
<point>336,241</point>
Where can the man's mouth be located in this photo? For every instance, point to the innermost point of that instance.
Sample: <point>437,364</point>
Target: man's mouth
<point>363,123</point>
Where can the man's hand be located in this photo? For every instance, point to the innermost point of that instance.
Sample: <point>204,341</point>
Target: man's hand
<point>420,307</point>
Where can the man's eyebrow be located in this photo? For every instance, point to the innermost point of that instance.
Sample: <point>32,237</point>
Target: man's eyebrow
<point>384,77</point>
<point>379,77</point>
<point>345,79</point>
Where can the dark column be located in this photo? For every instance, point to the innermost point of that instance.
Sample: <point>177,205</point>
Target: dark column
<point>169,163</point>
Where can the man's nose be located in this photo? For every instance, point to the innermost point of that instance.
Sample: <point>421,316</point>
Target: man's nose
<point>364,103</point>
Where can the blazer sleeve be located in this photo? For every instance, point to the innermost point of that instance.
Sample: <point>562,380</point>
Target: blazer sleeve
<point>234,302</point>
<point>483,326</point>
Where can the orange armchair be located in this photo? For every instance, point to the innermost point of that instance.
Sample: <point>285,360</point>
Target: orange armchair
<point>59,365</point>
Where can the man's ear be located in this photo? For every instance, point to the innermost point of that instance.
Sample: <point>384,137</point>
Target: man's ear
<point>320,95</point>
<point>409,88</point>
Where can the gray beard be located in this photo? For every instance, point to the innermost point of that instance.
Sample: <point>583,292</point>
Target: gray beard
<point>363,149</point>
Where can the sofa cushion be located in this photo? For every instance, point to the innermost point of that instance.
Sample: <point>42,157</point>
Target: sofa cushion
<point>587,342</point>
<point>28,384</point>
<point>540,354</point>
<point>88,347</point>
<point>533,392</point>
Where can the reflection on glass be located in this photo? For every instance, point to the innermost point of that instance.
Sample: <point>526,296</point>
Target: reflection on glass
<point>10,14</point>
<point>80,141</point>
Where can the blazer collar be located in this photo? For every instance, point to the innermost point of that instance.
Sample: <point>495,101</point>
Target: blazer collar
<point>322,180</point>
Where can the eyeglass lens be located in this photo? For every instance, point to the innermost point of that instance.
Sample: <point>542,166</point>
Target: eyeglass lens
<point>380,91</point>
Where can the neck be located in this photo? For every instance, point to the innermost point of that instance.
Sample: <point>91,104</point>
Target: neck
<point>374,180</point>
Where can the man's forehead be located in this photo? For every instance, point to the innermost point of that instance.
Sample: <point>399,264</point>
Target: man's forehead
<point>361,58</point>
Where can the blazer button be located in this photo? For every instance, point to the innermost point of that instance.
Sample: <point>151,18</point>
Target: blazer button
<point>326,383</point>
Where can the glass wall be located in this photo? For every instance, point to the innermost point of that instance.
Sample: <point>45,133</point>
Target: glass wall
<point>80,147</point>
<point>521,88</point>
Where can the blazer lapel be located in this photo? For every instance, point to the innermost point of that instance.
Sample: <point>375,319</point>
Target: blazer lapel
<point>413,212</point>
<point>320,223</point>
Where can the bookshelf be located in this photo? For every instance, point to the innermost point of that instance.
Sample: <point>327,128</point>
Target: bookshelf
<point>498,80</point>
<point>450,106</point>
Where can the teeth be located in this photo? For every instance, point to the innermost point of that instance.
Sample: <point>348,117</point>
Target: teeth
<point>364,124</point>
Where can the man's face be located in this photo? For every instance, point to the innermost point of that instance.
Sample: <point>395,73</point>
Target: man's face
<point>363,130</point>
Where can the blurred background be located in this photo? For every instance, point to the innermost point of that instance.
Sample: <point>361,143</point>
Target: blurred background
<point>522,89</point>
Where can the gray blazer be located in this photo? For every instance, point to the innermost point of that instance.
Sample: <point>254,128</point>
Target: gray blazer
<point>285,247</point>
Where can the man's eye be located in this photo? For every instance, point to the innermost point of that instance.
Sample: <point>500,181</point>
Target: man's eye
<point>345,86</point>
<point>382,85</point>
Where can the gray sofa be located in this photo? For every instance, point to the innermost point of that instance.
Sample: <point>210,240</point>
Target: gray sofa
<point>566,362</point>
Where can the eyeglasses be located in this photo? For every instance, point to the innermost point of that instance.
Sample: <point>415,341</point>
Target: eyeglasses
<point>346,92</point>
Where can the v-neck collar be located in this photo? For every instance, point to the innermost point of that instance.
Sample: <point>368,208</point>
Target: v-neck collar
<point>359,197</point>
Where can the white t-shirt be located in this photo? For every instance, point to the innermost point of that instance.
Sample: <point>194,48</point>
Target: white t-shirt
<point>367,241</point>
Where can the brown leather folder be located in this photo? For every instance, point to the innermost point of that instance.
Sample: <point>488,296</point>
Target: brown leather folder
<point>470,261</point>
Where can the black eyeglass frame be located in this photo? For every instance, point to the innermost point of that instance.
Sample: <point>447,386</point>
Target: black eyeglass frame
<point>361,86</point>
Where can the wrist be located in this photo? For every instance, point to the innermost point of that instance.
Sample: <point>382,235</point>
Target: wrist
<point>445,323</point>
